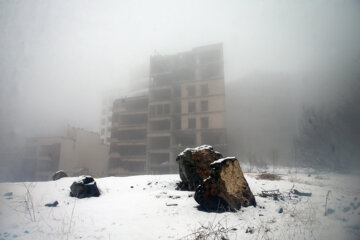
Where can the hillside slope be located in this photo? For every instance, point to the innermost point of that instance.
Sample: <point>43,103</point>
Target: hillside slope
<point>149,207</point>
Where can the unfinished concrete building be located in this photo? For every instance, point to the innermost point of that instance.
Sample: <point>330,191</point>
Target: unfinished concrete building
<point>78,152</point>
<point>185,107</point>
<point>129,136</point>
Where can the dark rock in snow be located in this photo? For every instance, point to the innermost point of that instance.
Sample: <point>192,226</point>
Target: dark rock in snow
<point>329,211</point>
<point>281,210</point>
<point>225,189</point>
<point>346,209</point>
<point>296,192</point>
<point>194,166</point>
<point>58,175</point>
<point>54,204</point>
<point>8,194</point>
<point>250,230</point>
<point>85,187</point>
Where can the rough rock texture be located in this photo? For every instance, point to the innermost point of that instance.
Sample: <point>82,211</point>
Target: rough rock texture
<point>226,188</point>
<point>58,175</point>
<point>194,166</point>
<point>83,188</point>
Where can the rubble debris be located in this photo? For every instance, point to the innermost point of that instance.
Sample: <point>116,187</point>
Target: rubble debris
<point>84,188</point>
<point>275,194</point>
<point>194,166</point>
<point>59,174</point>
<point>249,230</point>
<point>54,204</point>
<point>174,197</point>
<point>226,188</point>
<point>171,204</point>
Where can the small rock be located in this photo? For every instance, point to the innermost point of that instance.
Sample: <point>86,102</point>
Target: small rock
<point>131,186</point>
<point>296,192</point>
<point>281,210</point>
<point>58,175</point>
<point>250,230</point>
<point>174,197</point>
<point>329,211</point>
<point>346,209</point>
<point>171,204</point>
<point>54,204</point>
<point>8,194</point>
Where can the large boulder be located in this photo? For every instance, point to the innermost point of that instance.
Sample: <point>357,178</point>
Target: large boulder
<point>85,187</point>
<point>194,165</point>
<point>59,174</point>
<point>226,188</point>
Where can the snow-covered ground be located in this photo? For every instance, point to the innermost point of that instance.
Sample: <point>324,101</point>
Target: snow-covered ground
<point>149,207</point>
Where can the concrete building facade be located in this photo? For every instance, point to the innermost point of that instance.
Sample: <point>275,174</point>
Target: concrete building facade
<point>78,152</point>
<point>185,108</point>
<point>108,99</point>
<point>129,136</point>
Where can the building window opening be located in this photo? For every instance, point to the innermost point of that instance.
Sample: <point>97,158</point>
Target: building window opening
<point>204,106</point>
<point>204,122</point>
<point>191,107</point>
<point>191,123</point>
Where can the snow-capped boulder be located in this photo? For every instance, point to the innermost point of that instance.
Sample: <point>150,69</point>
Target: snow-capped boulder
<point>226,188</point>
<point>84,187</point>
<point>194,165</point>
<point>59,174</point>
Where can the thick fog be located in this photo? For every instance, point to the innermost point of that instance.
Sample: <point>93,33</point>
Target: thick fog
<point>57,58</point>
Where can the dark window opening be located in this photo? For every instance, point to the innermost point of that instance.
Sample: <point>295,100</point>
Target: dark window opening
<point>204,122</point>
<point>159,142</point>
<point>130,134</point>
<point>177,123</point>
<point>166,108</point>
<point>159,109</point>
<point>210,71</point>
<point>192,123</point>
<point>131,119</point>
<point>204,106</point>
<point>213,138</point>
<point>191,107</point>
<point>160,125</point>
<point>129,150</point>
<point>185,139</point>
<point>160,95</point>
<point>204,90</point>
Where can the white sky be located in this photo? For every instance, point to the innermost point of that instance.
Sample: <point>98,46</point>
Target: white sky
<point>57,57</point>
